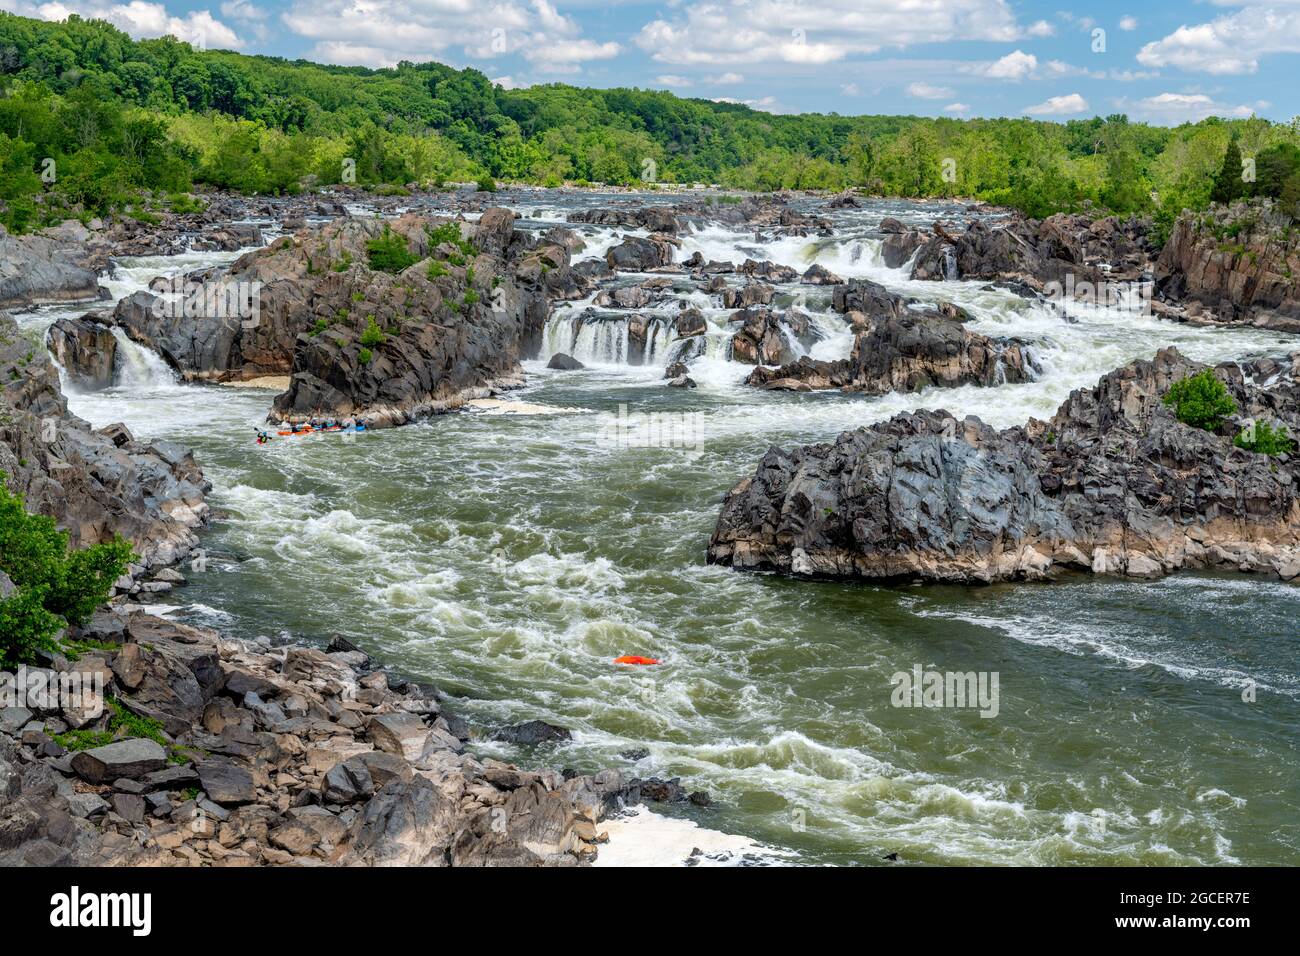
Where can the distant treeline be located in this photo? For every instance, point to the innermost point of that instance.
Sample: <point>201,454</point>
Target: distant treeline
<point>90,120</point>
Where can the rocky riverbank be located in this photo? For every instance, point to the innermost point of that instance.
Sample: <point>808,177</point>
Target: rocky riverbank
<point>96,483</point>
<point>183,748</point>
<point>1113,483</point>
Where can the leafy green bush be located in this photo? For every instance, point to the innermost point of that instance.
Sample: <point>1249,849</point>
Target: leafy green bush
<point>1265,439</point>
<point>486,184</point>
<point>364,356</point>
<point>389,252</point>
<point>55,587</point>
<point>373,334</point>
<point>436,269</point>
<point>449,234</point>
<point>1200,400</point>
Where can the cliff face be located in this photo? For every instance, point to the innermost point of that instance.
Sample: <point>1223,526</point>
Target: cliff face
<point>93,483</point>
<point>1233,265</point>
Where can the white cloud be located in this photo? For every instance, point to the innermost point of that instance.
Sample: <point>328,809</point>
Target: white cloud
<point>142,19</point>
<point>1173,108</point>
<point>1014,66</point>
<point>927,92</point>
<point>1040,28</point>
<point>1067,105</point>
<point>957,109</point>
<point>725,79</point>
<point>382,32</point>
<point>1128,23</point>
<point>243,10</point>
<point>668,79</point>
<point>850,89</point>
<point>1230,45</point>
<point>767,103</point>
<point>816,31</point>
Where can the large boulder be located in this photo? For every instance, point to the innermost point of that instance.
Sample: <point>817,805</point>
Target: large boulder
<point>54,267</point>
<point>639,254</point>
<point>86,350</point>
<point>1113,483</point>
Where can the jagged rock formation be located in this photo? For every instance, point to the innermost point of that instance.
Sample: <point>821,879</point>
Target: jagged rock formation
<point>1114,483</point>
<point>95,484</point>
<point>765,337</point>
<point>896,349</point>
<point>1232,265</point>
<point>1027,251</point>
<point>452,326</point>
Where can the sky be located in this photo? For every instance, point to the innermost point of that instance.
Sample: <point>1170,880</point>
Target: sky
<point>1163,63</point>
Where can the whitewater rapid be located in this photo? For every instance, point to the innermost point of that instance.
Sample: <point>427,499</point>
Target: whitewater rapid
<point>510,559</point>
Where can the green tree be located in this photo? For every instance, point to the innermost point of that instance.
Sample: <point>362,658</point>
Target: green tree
<point>1228,184</point>
<point>55,587</point>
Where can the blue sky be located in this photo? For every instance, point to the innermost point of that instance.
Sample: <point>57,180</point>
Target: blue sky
<point>1162,63</point>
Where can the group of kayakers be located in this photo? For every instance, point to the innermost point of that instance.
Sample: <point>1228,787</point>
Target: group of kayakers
<point>288,429</point>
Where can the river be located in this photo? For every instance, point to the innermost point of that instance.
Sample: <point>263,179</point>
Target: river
<point>509,559</point>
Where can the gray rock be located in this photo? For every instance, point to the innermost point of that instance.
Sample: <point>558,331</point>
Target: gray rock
<point>1114,483</point>
<point>13,719</point>
<point>130,758</point>
<point>226,782</point>
<point>532,732</point>
<point>400,734</point>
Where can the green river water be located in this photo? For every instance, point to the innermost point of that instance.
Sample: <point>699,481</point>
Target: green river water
<point>509,559</point>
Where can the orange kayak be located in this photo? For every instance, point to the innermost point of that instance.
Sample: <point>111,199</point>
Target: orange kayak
<point>634,659</point>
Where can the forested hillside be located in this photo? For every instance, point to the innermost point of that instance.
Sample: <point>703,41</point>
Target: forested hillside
<point>89,118</point>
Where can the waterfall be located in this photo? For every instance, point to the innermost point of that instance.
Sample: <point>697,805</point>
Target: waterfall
<point>949,263</point>
<point>608,340</point>
<point>136,367</point>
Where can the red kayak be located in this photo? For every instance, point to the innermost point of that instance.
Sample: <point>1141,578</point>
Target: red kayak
<point>634,659</point>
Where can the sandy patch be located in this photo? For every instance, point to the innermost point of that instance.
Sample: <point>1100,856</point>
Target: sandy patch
<point>279,383</point>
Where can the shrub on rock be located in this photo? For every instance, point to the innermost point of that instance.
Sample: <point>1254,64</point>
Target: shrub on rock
<point>390,252</point>
<point>50,586</point>
<point>1265,439</point>
<point>1200,400</point>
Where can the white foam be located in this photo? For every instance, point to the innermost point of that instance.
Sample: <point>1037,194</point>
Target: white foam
<point>643,838</point>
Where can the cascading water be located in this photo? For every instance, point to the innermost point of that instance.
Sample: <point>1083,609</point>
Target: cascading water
<point>950,264</point>
<point>137,367</point>
<point>510,559</point>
